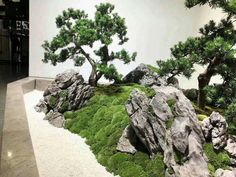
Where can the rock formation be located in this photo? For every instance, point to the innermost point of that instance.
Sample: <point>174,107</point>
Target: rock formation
<point>145,76</point>
<point>67,92</point>
<point>215,128</point>
<point>168,123</point>
<point>225,173</point>
<point>127,141</point>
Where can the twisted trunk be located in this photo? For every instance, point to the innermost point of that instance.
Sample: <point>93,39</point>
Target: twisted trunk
<point>92,78</point>
<point>204,80</point>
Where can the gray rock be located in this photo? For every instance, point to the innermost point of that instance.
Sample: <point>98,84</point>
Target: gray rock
<point>83,94</point>
<point>41,106</point>
<point>168,122</point>
<point>56,119</point>
<point>180,132</point>
<point>196,164</point>
<point>144,76</point>
<point>137,108</point>
<point>215,128</point>
<point>127,141</point>
<point>52,89</point>
<point>67,78</point>
<point>67,92</point>
<point>225,173</point>
<point>231,146</point>
<point>70,92</point>
<point>173,82</point>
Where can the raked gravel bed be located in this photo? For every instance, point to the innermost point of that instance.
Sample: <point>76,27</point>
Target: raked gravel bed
<point>58,152</point>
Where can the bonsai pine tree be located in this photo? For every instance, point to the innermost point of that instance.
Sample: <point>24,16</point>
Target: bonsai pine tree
<point>214,49</point>
<point>78,35</point>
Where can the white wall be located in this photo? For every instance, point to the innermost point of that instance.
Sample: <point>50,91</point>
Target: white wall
<point>153,27</point>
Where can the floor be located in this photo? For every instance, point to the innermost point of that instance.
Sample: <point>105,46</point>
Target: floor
<point>8,73</point>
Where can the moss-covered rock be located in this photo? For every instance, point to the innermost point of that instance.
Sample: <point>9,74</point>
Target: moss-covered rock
<point>52,102</point>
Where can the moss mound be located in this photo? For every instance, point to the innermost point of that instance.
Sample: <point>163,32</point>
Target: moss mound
<point>102,122</point>
<point>216,159</point>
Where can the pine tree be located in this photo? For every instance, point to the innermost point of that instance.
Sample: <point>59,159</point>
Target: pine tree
<point>78,33</point>
<point>214,49</point>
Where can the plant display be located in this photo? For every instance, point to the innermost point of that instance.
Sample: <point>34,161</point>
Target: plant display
<point>79,35</point>
<point>102,122</point>
<point>146,126</point>
<point>214,49</point>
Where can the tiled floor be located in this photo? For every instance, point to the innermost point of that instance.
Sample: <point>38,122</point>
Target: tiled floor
<point>8,73</point>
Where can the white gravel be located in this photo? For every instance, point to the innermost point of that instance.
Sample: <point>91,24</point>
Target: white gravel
<point>58,152</point>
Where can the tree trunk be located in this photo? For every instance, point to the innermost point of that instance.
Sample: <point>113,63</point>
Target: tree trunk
<point>92,78</point>
<point>203,81</point>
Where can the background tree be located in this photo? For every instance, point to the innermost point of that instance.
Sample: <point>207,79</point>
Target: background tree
<point>214,49</point>
<point>78,34</point>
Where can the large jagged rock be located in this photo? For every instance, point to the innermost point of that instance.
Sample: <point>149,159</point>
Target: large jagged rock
<point>215,128</point>
<point>127,141</point>
<point>67,92</point>
<point>55,118</point>
<point>231,146</point>
<point>145,76</point>
<point>168,122</point>
<point>225,173</point>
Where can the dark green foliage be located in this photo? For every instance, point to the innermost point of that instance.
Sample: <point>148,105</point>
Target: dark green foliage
<point>216,159</point>
<point>214,49</point>
<point>221,95</point>
<point>77,32</point>
<point>230,116</point>
<point>102,122</point>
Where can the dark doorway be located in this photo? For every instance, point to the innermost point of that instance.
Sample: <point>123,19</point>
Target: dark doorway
<point>14,39</point>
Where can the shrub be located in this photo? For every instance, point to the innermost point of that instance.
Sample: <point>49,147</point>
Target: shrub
<point>230,116</point>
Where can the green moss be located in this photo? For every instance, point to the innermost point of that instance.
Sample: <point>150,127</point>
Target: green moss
<point>156,166</point>
<point>130,169</point>
<point>153,69</point>
<point>63,94</point>
<point>201,117</point>
<point>208,110</point>
<point>53,101</point>
<point>70,115</point>
<point>169,123</point>
<point>216,159</point>
<point>102,122</point>
<point>211,169</point>
<point>171,103</point>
